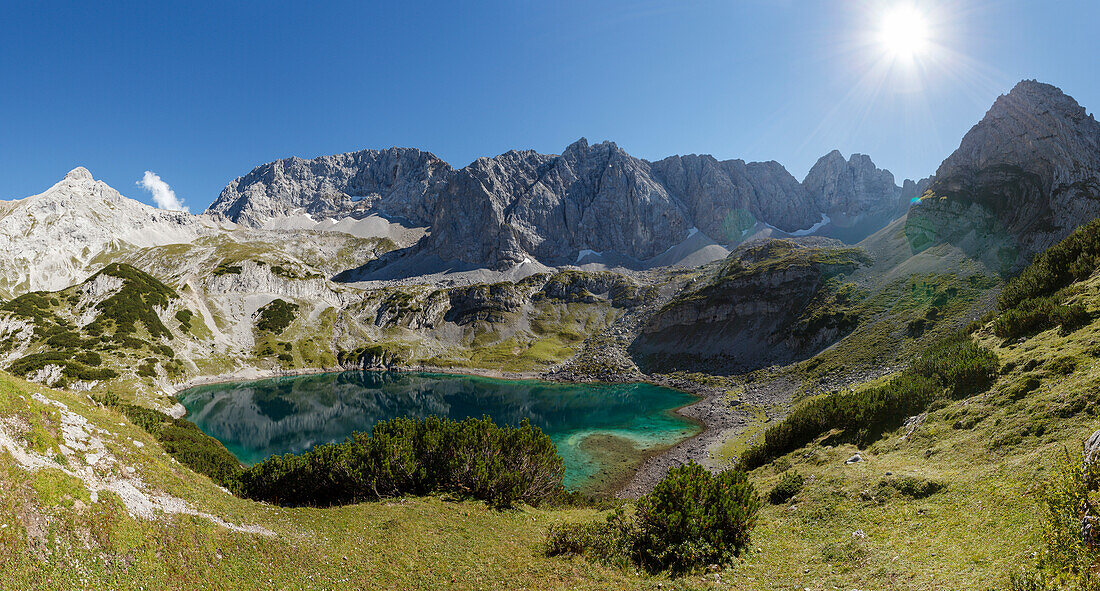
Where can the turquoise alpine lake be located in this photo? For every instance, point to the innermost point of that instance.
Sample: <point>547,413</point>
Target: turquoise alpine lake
<point>601,430</point>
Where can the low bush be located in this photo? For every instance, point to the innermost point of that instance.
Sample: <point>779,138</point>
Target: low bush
<point>181,439</point>
<point>913,487</point>
<point>472,457</point>
<point>790,484</point>
<point>691,519</point>
<point>694,518</point>
<point>1036,315</point>
<point>608,542</point>
<point>952,368</point>
<point>1074,258</point>
<point>276,316</point>
<point>137,301</point>
<point>1069,537</point>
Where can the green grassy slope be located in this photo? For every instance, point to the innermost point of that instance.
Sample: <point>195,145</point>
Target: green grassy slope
<point>53,535</point>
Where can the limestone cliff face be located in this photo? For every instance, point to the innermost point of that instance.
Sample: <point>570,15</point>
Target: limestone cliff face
<point>400,182</point>
<point>523,205</point>
<point>725,199</point>
<point>853,187</point>
<point>769,303</point>
<point>1022,179</point>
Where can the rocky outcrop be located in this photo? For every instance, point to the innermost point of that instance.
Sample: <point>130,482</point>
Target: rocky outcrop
<point>523,205</point>
<point>1022,179</point>
<point>770,302</point>
<point>400,182</point>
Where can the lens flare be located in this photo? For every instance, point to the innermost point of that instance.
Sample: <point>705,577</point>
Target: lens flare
<point>904,33</point>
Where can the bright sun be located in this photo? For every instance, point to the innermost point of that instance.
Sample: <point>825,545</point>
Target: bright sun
<point>904,33</point>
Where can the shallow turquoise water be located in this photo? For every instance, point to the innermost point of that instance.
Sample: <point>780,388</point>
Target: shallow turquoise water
<point>258,419</point>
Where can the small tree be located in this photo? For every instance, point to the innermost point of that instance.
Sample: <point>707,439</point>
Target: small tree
<point>694,518</point>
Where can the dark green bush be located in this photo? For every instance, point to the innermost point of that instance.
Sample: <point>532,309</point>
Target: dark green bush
<point>71,367</point>
<point>911,486</point>
<point>1039,314</point>
<point>184,318</point>
<point>1071,318</point>
<point>136,301</point>
<point>472,457</point>
<point>609,542</point>
<point>954,367</point>
<point>276,316</point>
<point>1062,365</point>
<point>691,519</point>
<point>958,364</point>
<point>790,484</point>
<point>694,518</point>
<point>227,268</point>
<point>198,451</point>
<point>1073,259</point>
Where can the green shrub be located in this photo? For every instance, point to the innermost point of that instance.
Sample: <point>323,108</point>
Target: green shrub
<point>958,364</point>
<point>198,451</point>
<point>790,484</point>
<point>1068,552</point>
<point>181,439</point>
<point>141,294</point>
<point>691,519</point>
<point>1071,318</point>
<point>1073,259</point>
<point>1036,315</point>
<point>472,457</point>
<point>609,542</point>
<point>911,486</point>
<point>227,269</point>
<point>954,367</point>
<point>694,518</point>
<point>184,318</point>
<point>276,316</point>
<point>1062,365</point>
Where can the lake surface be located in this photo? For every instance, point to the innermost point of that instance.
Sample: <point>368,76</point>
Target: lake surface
<point>601,431</point>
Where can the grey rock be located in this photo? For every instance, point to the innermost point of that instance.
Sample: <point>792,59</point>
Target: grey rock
<point>855,459</point>
<point>522,205</point>
<point>1022,179</point>
<point>1092,448</point>
<point>400,182</point>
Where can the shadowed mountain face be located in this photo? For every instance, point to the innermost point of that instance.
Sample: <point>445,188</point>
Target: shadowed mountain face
<point>1022,179</point>
<point>523,205</point>
<point>401,182</point>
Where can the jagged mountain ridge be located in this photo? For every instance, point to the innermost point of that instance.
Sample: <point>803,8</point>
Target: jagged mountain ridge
<point>523,205</point>
<point>1023,178</point>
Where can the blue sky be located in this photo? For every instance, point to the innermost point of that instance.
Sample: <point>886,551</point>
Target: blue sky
<point>202,93</point>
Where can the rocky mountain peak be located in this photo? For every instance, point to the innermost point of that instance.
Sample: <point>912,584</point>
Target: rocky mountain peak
<point>1025,176</point>
<point>79,174</point>
<point>51,240</point>
<point>853,188</point>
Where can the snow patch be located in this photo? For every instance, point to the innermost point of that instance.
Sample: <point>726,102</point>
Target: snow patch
<point>587,252</point>
<point>814,228</point>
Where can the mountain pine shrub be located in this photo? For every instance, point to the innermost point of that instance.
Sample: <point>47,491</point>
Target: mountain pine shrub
<point>691,519</point>
<point>790,484</point>
<point>952,368</point>
<point>472,457</point>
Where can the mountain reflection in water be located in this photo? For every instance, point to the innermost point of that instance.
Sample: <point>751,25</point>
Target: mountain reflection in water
<point>293,414</point>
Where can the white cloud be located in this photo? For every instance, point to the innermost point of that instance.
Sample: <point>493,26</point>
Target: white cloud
<point>163,195</point>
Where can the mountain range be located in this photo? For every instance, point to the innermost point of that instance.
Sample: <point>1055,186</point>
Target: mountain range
<point>624,265</point>
<point>591,203</point>
<point>870,353</point>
